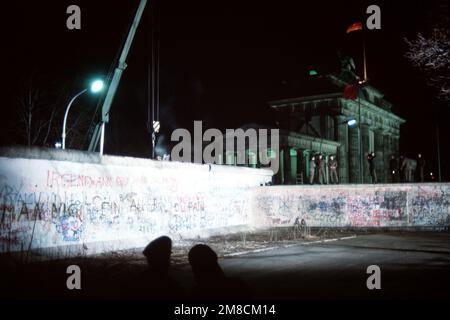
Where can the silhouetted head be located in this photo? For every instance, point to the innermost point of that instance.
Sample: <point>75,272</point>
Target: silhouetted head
<point>203,261</point>
<point>158,254</point>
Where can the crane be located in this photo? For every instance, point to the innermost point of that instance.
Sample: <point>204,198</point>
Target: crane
<point>99,131</point>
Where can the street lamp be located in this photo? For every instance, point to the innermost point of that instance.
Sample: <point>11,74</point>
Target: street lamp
<point>96,87</point>
<point>351,123</point>
<point>361,166</point>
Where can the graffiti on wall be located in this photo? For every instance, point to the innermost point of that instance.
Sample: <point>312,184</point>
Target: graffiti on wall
<point>431,206</point>
<point>371,206</point>
<point>55,203</point>
<point>58,203</point>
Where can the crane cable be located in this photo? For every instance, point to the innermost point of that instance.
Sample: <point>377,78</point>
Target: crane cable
<point>153,124</point>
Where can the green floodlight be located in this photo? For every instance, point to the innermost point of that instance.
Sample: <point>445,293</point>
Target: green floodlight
<point>96,86</point>
<point>313,72</point>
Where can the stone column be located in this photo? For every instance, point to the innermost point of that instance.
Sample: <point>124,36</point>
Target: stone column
<point>380,160</point>
<point>343,153</point>
<point>287,165</point>
<point>396,144</point>
<point>280,175</point>
<point>365,149</point>
<point>307,158</point>
<point>387,151</point>
<point>293,163</point>
<point>353,155</point>
<point>301,165</point>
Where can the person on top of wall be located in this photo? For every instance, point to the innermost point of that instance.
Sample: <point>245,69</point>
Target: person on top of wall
<point>421,168</point>
<point>322,174</point>
<point>393,169</point>
<point>312,169</point>
<point>372,170</point>
<point>332,166</point>
<point>404,169</point>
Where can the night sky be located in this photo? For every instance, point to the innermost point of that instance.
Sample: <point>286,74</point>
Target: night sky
<point>220,62</point>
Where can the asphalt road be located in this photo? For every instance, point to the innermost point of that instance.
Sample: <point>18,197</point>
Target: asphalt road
<point>413,265</point>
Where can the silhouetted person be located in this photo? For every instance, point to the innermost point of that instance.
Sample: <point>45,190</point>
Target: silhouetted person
<point>322,175</point>
<point>155,283</point>
<point>372,170</point>
<point>404,169</point>
<point>312,169</point>
<point>420,168</point>
<point>332,166</point>
<point>211,281</point>
<point>393,168</point>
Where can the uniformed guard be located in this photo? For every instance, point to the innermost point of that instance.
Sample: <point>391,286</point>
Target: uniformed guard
<point>312,169</point>
<point>322,175</point>
<point>371,160</point>
<point>420,167</point>
<point>332,166</point>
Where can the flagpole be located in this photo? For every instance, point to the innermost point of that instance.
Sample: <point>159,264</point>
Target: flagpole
<point>355,27</point>
<point>364,57</point>
<point>361,166</point>
<point>361,155</point>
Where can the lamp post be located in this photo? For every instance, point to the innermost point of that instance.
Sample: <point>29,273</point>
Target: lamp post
<point>96,87</point>
<point>361,165</point>
<point>361,161</point>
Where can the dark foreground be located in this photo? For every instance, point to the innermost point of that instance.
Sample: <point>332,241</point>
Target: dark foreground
<point>413,265</point>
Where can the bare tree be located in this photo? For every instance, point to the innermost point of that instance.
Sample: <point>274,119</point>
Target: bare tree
<point>36,113</point>
<point>431,54</point>
<point>78,124</point>
<point>40,112</point>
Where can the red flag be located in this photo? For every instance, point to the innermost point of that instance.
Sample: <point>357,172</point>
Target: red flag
<point>350,91</point>
<point>355,27</point>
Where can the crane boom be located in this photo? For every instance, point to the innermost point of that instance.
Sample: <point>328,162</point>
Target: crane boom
<point>112,88</point>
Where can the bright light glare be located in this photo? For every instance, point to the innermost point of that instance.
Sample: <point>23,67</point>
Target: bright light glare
<point>97,86</point>
<point>351,122</point>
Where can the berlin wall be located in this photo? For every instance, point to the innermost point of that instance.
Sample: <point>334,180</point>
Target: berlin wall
<point>390,205</point>
<point>66,203</point>
<point>79,207</point>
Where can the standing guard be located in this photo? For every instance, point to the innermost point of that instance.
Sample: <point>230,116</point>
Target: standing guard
<point>332,166</point>
<point>421,168</point>
<point>312,169</point>
<point>322,174</point>
<point>373,173</point>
